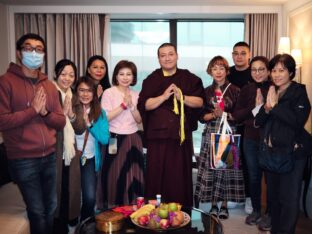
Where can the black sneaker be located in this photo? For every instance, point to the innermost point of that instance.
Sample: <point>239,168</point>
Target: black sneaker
<point>214,211</point>
<point>223,213</point>
<point>265,223</point>
<point>254,218</point>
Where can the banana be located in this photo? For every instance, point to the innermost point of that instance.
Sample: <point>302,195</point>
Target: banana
<point>144,210</point>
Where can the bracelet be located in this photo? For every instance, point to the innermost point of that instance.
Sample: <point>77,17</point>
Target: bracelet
<point>123,106</point>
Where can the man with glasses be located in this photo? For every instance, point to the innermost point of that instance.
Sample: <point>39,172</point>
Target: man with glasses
<point>240,75</point>
<point>29,119</point>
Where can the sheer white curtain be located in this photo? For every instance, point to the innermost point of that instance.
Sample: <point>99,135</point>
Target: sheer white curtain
<point>72,36</point>
<point>261,34</point>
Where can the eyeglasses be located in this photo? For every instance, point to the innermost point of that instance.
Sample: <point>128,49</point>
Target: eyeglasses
<point>236,54</point>
<point>88,91</point>
<point>259,70</point>
<point>38,49</point>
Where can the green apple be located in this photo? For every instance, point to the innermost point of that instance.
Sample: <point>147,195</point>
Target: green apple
<point>163,213</point>
<point>172,206</point>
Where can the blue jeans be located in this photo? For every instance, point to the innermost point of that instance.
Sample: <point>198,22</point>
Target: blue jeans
<point>36,179</point>
<point>251,149</point>
<point>88,188</point>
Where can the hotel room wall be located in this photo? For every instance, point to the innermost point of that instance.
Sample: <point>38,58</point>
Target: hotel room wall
<point>300,33</point>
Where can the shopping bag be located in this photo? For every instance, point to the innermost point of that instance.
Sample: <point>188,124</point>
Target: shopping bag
<point>224,152</point>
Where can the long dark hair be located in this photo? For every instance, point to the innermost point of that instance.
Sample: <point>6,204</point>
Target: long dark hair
<point>104,82</point>
<point>95,107</point>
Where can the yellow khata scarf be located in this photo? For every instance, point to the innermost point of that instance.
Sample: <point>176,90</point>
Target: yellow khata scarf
<point>176,111</point>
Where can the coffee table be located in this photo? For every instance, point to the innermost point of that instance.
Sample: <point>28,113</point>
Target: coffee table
<point>201,222</point>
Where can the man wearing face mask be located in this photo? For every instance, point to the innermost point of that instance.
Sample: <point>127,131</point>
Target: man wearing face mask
<point>29,119</point>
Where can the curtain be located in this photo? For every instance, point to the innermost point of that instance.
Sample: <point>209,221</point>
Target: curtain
<point>261,34</point>
<point>72,36</point>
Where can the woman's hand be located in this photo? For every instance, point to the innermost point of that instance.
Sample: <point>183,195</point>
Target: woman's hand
<point>86,116</point>
<point>217,110</point>
<point>259,97</point>
<point>128,99</point>
<point>99,90</point>
<point>271,100</point>
<point>67,108</point>
<point>272,97</point>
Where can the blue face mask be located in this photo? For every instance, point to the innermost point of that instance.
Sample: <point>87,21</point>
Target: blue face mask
<point>32,60</point>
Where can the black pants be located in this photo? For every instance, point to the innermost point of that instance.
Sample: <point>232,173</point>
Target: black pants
<point>284,192</point>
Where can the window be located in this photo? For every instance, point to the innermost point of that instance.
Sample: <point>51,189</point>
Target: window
<point>197,42</point>
<point>138,42</point>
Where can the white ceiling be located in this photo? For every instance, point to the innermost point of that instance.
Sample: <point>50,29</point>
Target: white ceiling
<point>144,2</point>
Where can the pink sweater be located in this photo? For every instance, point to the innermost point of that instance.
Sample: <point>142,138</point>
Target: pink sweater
<point>124,123</point>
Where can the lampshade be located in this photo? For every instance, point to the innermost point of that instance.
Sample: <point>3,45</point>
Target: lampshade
<point>284,45</point>
<point>297,55</point>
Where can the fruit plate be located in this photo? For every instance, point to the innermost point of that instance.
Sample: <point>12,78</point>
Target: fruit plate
<point>187,219</point>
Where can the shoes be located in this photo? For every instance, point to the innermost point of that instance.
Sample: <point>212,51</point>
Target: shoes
<point>214,211</point>
<point>231,205</point>
<point>254,218</point>
<point>265,223</point>
<point>71,229</point>
<point>248,206</point>
<point>223,213</point>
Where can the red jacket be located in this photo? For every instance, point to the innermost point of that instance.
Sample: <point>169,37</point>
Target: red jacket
<point>26,133</point>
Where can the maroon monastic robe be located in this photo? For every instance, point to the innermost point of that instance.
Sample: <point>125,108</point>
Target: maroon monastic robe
<point>169,164</point>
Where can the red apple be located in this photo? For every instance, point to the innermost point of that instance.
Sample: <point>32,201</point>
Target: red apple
<point>164,223</point>
<point>143,220</point>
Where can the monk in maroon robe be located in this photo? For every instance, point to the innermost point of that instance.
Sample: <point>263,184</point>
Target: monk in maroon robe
<point>169,163</point>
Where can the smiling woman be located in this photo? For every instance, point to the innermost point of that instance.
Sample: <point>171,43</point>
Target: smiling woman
<point>122,174</point>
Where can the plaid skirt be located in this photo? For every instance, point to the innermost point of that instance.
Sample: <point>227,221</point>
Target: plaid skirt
<point>216,185</point>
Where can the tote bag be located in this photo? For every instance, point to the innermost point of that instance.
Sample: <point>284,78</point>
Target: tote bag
<point>224,152</point>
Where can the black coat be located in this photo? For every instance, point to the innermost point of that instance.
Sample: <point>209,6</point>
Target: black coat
<point>285,122</point>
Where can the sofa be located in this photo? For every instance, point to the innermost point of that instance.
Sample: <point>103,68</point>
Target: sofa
<point>13,216</point>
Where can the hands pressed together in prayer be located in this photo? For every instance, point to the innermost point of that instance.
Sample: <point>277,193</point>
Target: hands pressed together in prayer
<point>86,116</point>
<point>272,99</point>
<point>67,107</point>
<point>39,101</point>
<point>127,100</point>
<point>172,89</point>
<point>259,98</point>
<point>99,90</point>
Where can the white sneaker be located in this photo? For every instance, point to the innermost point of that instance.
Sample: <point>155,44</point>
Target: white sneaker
<point>231,205</point>
<point>248,206</point>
